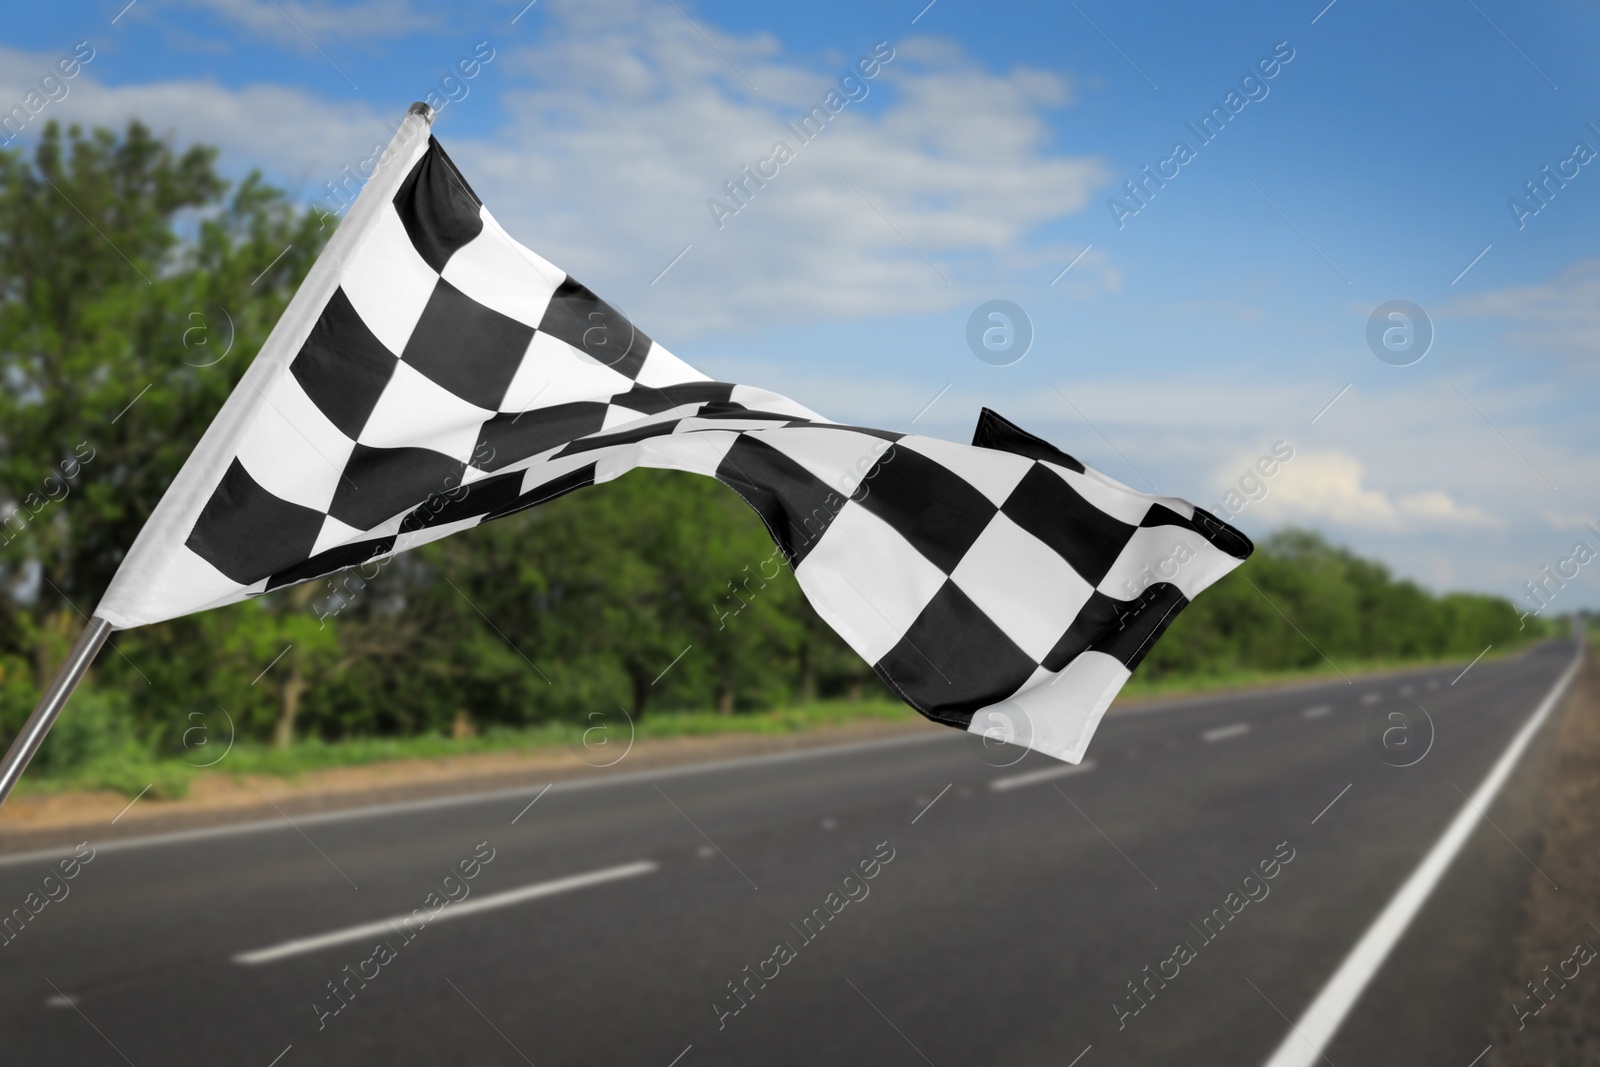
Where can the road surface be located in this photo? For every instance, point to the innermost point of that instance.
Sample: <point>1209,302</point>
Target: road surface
<point>1010,907</point>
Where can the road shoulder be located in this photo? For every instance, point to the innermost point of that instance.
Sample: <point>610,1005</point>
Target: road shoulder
<point>1561,1022</point>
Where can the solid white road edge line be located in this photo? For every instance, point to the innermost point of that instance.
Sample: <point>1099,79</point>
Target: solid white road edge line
<point>1016,781</point>
<point>1302,1046</point>
<point>384,927</point>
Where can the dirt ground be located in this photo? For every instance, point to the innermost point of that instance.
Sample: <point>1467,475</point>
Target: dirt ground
<point>1560,1024</point>
<point>36,820</point>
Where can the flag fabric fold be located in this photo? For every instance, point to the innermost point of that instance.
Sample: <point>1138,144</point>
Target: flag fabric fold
<point>432,374</point>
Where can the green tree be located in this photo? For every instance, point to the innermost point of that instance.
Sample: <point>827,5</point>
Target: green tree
<point>127,268</point>
<point>1333,603</point>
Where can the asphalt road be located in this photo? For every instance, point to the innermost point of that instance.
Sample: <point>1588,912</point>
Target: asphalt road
<point>1004,930</point>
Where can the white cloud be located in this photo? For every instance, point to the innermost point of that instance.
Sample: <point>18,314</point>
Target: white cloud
<point>629,123</point>
<point>1563,521</point>
<point>292,22</point>
<point>1559,316</point>
<point>1331,486</point>
<point>294,134</point>
<point>623,121</point>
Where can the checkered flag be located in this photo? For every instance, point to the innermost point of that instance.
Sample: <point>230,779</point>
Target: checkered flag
<point>432,374</point>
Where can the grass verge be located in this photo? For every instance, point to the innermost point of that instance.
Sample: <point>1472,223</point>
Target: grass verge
<point>1248,679</point>
<point>131,770</point>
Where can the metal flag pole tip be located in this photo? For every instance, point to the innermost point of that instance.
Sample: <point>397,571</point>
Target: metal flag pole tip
<point>420,108</point>
<point>27,742</point>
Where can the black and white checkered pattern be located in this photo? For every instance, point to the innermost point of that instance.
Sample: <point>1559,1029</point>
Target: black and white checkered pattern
<point>447,376</point>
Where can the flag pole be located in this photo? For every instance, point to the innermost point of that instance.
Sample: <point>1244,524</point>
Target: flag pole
<point>27,742</point>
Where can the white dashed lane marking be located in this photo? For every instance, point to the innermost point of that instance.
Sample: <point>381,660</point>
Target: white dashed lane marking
<point>382,927</point>
<point>1017,781</point>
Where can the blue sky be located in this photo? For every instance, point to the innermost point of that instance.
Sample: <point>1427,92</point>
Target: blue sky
<point>1220,318</point>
